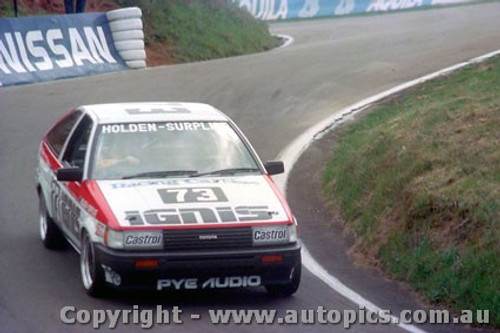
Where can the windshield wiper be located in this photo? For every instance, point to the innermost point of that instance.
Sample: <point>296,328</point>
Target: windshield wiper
<point>230,171</point>
<point>160,174</point>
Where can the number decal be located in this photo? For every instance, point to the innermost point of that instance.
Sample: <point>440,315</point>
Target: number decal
<point>190,195</point>
<point>181,194</point>
<point>206,194</point>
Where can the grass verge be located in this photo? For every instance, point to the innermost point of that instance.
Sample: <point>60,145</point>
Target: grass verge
<point>417,181</point>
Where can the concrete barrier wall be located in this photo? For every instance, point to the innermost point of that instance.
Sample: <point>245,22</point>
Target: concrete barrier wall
<point>45,48</point>
<point>296,9</point>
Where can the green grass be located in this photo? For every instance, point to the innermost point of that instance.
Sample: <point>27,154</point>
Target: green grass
<point>417,180</point>
<point>193,30</point>
<point>7,10</point>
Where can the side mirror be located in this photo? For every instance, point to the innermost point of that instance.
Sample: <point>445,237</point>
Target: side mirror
<point>274,167</point>
<point>71,174</point>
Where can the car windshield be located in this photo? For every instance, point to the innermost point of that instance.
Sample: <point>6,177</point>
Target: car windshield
<point>169,149</point>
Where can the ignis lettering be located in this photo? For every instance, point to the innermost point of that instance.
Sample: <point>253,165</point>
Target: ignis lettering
<point>199,215</point>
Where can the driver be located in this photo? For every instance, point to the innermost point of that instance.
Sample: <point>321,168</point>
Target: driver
<point>112,155</point>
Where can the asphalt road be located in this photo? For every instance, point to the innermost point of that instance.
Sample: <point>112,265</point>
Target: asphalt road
<point>272,96</point>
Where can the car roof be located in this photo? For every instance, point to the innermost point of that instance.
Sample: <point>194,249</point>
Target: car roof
<point>152,112</point>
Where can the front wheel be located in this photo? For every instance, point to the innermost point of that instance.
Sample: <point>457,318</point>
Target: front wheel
<point>289,288</point>
<point>90,269</point>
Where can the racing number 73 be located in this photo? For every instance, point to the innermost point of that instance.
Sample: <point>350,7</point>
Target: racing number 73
<point>190,195</point>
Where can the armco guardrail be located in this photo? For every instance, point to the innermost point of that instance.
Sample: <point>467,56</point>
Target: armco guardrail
<point>44,48</point>
<point>293,9</point>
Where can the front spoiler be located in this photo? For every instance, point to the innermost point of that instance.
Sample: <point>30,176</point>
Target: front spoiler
<point>198,270</point>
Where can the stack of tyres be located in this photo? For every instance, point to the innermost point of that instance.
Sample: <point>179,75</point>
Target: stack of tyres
<point>128,35</point>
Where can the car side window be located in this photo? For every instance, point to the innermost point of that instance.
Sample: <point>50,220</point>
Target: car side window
<point>76,150</point>
<point>57,136</point>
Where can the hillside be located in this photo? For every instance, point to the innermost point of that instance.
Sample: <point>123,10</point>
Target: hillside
<point>417,181</point>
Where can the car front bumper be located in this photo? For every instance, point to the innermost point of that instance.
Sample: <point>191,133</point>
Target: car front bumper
<point>199,270</point>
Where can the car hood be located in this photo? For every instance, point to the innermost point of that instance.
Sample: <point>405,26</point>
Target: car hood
<point>204,201</point>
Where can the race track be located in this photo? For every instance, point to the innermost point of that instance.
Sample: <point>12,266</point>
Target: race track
<point>272,96</point>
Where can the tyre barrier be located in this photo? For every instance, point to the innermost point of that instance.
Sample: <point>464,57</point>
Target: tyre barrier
<point>136,64</point>
<point>124,13</point>
<point>126,24</point>
<point>128,35</point>
<point>132,55</point>
<point>127,45</point>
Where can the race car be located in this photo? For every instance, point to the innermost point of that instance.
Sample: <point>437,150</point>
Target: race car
<point>165,196</point>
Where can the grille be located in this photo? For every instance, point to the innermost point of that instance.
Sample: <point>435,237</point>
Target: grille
<point>207,239</point>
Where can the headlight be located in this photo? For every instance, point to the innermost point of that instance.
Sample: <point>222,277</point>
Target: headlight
<point>135,240</point>
<point>113,239</point>
<point>274,234</point>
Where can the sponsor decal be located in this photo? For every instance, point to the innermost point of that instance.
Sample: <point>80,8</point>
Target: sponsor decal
<point>210,283</point>
<point>180,182</point>
<point>292,9</point>
<point>197,215</point>
<point>142,239</point>
<point>66,210</point>
<point>187,126</point>
<point>266,9</point>
<point>387,5</point>
<point>34,49</point>
<point>100,230</point>
<point>144,110</point>
<point>88,207</point>
<point>271,234</point>
<point>154,127</point>
<point>129,128</point>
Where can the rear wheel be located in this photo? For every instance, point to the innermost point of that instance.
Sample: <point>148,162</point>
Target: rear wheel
<point>90,269</point>
<point>289,288</point>
<point>50,234</point>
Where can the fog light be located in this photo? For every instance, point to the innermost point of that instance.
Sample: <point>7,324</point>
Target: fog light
<point>146,263</point>
<point>271,258</point>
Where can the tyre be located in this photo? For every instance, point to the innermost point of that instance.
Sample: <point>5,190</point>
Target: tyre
<point>127,24</point>
<point>127,35</point>
<point>289,288</point>
<point>90,269</point>
<point>133,55</point>
<point>50,234</point>
<point>124,13</point>
<point>128,45</point>
<point>136,64</point>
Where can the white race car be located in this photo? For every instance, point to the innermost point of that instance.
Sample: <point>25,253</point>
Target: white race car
<point>165,196</point>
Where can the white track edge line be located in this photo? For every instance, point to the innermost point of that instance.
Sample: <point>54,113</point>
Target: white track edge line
<point>288,40</point>
<point>294,150</point>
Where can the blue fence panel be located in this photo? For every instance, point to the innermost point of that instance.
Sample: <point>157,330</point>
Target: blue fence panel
<point>43,48</point>
<point>293,9</point>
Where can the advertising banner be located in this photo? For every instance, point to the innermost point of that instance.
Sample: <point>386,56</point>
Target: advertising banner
<point>43,48</point>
